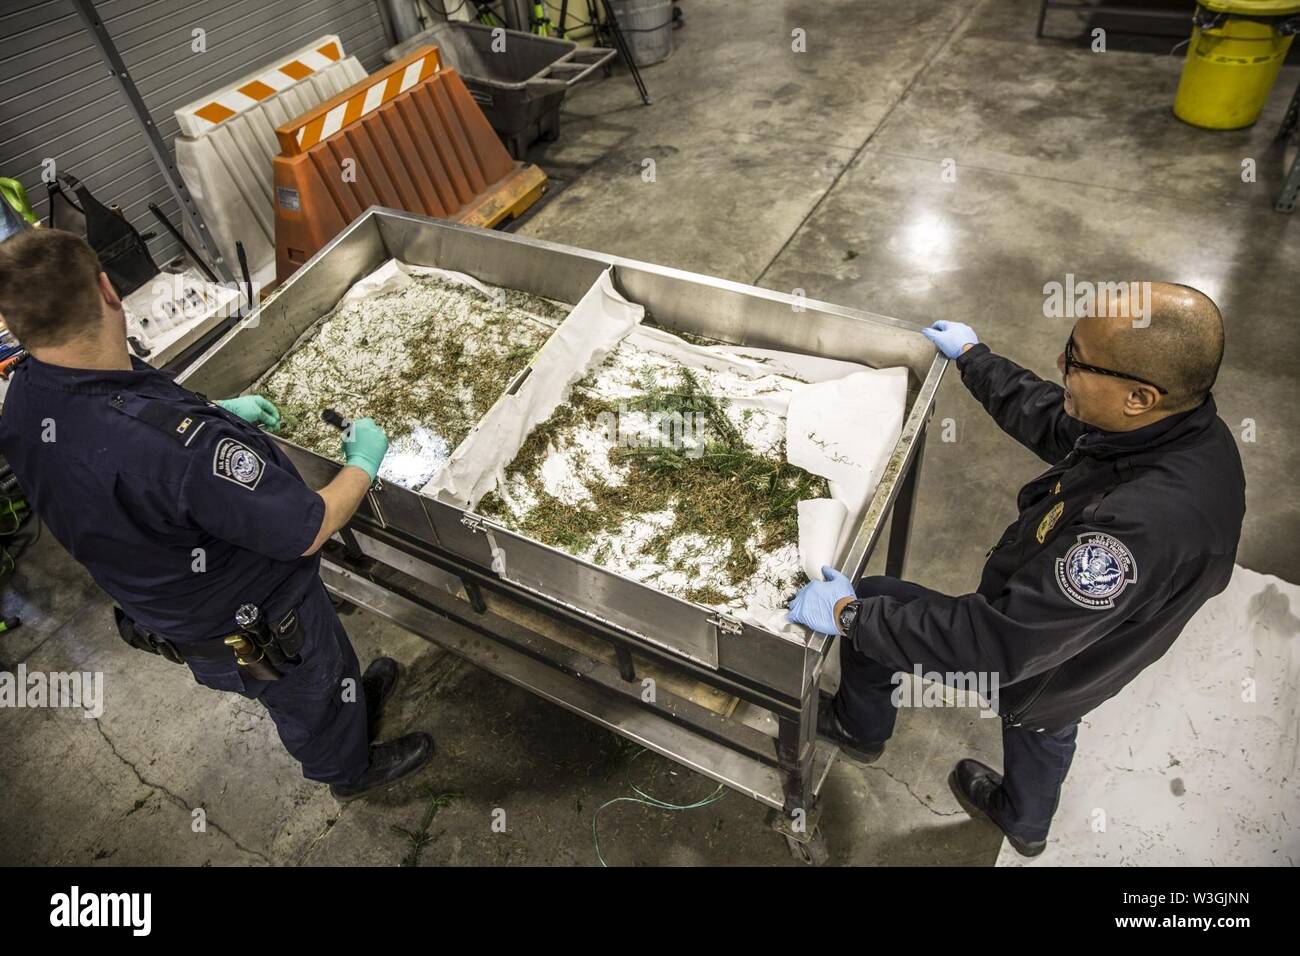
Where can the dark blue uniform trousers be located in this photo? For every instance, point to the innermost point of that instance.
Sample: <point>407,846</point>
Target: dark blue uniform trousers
<point>1034,763</point>
<point>319,706</point>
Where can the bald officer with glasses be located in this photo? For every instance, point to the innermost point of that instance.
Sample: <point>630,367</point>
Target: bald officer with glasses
<point>1132,528</point>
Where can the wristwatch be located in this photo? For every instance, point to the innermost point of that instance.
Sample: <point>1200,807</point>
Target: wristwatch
<point>849,617</point>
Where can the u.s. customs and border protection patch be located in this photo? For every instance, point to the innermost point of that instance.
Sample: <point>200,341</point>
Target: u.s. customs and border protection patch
<point>236,462</point>
<point>1096,570</point>
<point>1049,521</point>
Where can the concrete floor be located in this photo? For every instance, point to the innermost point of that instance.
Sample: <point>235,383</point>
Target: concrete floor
<point>820,171</point>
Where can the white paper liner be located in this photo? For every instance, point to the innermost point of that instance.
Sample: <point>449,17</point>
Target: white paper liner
<point>596,325</point>
<point>843,426</point>
<point>394,274</point>
<point>845,430</point>
<point>848,407</point>
<point>820,523</point>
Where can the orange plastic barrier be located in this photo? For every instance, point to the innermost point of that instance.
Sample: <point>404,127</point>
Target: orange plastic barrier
<point>410,137</point>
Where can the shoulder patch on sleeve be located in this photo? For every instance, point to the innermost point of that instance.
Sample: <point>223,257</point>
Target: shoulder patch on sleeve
<point>164,416</point>
<point>1096,570</point>
<point>236,462</point>
<point>188,428</point>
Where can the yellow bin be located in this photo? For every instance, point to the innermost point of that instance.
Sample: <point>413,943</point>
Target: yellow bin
<point>1230,69</point>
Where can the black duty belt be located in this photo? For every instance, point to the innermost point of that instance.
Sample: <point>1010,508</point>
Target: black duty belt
<point>175,651</point>
<point>259,650</point>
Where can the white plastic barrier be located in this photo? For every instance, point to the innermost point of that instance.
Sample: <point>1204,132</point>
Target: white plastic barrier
<point>228,143</point>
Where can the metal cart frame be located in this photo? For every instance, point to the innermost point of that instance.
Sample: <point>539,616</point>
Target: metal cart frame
<point>426,565</point>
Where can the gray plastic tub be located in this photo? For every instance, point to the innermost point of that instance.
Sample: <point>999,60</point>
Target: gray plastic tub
<point>647,26</point>
<point>520,88</point>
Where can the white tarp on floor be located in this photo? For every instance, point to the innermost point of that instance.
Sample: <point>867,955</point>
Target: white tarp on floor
<point>1195,763</point>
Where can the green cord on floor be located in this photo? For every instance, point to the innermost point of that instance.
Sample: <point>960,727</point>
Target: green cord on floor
<point>11,508</point>
<point>647,800</point>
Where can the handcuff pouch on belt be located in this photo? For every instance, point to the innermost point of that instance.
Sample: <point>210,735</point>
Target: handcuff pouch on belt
<point>143,640</point>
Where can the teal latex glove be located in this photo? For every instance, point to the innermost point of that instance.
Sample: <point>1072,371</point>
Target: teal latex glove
<point>814,605</point>
<point>364,445</point>
<point>253,409</point>
<point>951,337</point>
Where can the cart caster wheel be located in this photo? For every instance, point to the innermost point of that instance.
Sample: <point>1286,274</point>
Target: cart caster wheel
<point>813,852</point>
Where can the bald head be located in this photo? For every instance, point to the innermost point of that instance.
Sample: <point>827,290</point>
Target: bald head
<point>1177,343</point>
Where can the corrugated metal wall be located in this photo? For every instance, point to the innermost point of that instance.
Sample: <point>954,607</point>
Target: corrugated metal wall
<point>58,101</point>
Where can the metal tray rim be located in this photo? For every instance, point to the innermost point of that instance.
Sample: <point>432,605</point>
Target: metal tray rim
<point>901,457</point>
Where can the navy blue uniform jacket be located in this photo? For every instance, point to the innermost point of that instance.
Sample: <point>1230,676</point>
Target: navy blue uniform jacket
<point>180,510</point>
<point>1116,546</point>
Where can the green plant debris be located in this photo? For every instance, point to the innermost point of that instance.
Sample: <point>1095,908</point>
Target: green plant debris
<point>429,358</point>
<point>716,498</point>
<point>419,838</point>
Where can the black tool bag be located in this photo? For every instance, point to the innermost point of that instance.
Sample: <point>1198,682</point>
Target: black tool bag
<point>122,251</point>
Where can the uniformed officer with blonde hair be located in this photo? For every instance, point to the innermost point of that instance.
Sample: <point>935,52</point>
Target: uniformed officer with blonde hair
<point>185,511</point>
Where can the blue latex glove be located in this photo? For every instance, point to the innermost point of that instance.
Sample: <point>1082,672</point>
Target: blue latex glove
<point>950,337</point>
<point>364,445</point>
<point>253,409</point>
<point>814,605</point>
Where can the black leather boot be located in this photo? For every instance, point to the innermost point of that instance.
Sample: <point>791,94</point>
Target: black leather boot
<point>389,763</point>
<point>829,726</point>
<point>379,681</point>
<point>974,784</point>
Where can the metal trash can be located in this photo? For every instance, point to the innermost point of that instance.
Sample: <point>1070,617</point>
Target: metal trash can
<point>520,84</point>
<point>1236,51</point>
<point>648,27</point>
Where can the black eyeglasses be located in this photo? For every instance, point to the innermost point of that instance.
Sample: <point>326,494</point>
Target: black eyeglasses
<point>1071,363</point>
